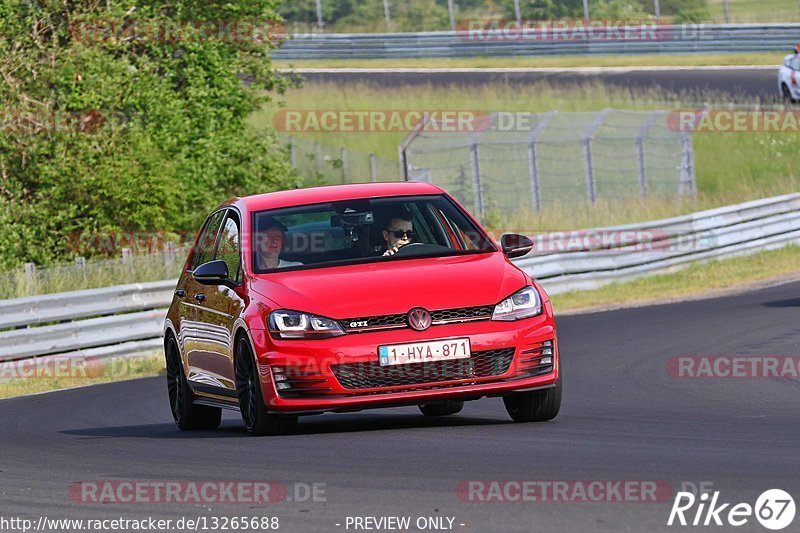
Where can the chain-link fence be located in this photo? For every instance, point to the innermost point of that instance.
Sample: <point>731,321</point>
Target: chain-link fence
<point>525,161</point>
<point>320,163</point>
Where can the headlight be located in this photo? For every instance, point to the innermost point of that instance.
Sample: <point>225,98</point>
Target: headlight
<point>295,325</point>
<point>522,304</point>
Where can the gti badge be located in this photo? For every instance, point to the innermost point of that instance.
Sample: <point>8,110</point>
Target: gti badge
<point>419,319</point>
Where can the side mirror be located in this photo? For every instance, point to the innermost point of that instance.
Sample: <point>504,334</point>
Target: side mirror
<point>514,245</point>
<point>213,273</point>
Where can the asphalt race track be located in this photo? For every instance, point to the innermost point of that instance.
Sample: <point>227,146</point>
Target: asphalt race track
<point>623,418</point>
<point>694,84</point>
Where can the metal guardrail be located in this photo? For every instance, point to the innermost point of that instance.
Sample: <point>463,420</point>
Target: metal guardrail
<point>120,320</point>
<point>660,245</point>
<point>99,320</point>
<point>677,39</point>
<point>91,333</point>
<point>34,310</point>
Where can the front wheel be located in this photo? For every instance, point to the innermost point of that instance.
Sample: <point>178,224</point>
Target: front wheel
<point>251,402</point>
<point>787,94</point>
<point>534,406</point>
<point>186,414</point>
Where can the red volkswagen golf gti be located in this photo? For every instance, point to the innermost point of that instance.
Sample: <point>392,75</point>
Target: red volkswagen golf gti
<point>352,297</point>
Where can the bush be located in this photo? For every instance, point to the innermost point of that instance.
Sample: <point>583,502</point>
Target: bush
<point>618,10</point>
<point>127,132</point>
<point>408,15</point>
<point>686,11</point>
<point>691,16</point>
<point>544,9</point>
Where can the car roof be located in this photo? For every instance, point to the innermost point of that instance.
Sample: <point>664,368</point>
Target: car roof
<point>333,193</point>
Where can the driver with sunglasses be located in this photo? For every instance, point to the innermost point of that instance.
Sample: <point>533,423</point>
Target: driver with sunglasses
<point>398,231</point>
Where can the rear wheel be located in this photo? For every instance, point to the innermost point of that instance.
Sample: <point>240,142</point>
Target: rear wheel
<point>187,415</point>
<point>257,419</point>
<point>447,407</point>
<point>534,406</point>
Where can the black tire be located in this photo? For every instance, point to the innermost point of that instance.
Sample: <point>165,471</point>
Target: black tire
<point>255,416</point>
<point>444,408</point>
<point>787,94</point>
<point>534,406</point>
<point>186,414</point>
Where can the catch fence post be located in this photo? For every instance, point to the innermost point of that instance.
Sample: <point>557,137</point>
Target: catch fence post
<point>345,167</point>
<point>476,180</point>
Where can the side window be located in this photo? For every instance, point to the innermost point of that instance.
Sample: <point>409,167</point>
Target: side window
<point>205,245</point>
<point>228,247</point>
<point>795,65</point>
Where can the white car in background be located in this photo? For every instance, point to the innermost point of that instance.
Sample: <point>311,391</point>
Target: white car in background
<point>789,77</point>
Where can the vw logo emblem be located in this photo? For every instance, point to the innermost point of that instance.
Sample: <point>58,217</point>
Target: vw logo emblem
<point>419,319</point>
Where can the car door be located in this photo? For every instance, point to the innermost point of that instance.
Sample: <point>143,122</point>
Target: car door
<point>217,307</point>
<point>794,67</point>
<point>190,334</point>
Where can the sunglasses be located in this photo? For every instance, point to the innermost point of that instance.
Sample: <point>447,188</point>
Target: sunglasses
<point>399,233</point>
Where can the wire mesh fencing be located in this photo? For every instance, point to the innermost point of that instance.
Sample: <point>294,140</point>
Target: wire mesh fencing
<point>524,161</point>
<point>319,163</point>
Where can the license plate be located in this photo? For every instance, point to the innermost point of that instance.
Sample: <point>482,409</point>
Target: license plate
<point>423,352</point>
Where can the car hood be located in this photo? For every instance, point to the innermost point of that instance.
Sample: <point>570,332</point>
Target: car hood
<point>392,287</point>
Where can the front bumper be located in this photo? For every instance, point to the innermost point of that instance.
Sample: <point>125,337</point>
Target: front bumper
<point>343,374</point>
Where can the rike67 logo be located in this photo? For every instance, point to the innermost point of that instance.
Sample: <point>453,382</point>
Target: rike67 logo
<point>774,509</point>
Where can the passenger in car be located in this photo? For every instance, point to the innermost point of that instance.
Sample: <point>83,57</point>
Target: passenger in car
<point>270,244</point>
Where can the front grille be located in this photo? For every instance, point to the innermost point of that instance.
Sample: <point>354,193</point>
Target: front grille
<point>442,316</point>
<point>356,325</point>
<point>372,375</point>
<point>463,313</point>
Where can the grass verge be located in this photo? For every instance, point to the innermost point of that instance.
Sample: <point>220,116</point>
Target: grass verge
<point>77,372</point>
<point>96,273</point>
<point>745,11</point>
<point>562,61</point>
<point>691,282</point>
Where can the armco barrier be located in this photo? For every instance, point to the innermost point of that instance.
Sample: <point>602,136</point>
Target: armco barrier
<point>669,243</point>
<point>691,38</point>
<point>33,310</point>
<point>118,320</point>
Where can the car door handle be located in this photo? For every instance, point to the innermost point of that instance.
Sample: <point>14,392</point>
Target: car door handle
<point>200,297</point>
<point>180,293</point>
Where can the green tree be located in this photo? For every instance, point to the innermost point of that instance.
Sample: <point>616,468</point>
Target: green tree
<point>129,117</point>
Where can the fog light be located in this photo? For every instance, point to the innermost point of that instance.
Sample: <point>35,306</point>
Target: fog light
<point>282,386</point>
<point>546,361</point>
<point>277,374</point>
<point>547,351</point>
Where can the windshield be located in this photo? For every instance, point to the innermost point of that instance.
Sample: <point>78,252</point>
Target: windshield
<point>364,230</point>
